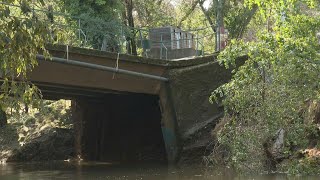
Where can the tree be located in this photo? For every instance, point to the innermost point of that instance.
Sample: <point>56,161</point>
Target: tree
<point>187,10</point>
<point>23,32</point>
<point>128,16</point>
<point>99,20</point>
<point>152,13</point>
<point>267,93</point>
<point>209,14</point>
<point>229,14</point>
<point>238,17</point>
<point>194,19</point>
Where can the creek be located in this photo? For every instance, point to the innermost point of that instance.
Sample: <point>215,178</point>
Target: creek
<point>98,170</point>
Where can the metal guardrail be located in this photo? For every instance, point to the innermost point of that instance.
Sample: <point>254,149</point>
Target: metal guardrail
<point>162,45</point>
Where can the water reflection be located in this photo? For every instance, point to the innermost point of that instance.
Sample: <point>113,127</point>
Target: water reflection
<point>93,170</point>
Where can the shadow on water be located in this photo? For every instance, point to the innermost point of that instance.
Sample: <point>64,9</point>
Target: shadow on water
<point>98,170</point>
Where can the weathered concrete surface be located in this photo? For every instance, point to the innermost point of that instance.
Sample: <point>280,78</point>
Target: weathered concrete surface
<point>191,88</point>
<point>61,75</point>
<point>196,117</point>
<point>67,75</point>
<point>169,124</point>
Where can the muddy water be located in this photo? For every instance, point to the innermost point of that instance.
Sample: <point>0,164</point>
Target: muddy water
<point>64,170</point>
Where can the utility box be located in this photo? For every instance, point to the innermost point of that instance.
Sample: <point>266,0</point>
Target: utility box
<point>171,43</point>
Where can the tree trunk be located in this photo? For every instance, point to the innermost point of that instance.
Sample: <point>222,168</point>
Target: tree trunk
<point>207,15</point>
<point>220,23</point>
<point>247,21</point>
<point>3,118</point>
<point>193,7</point>
<point>132,48</point>
<point>213,26</point>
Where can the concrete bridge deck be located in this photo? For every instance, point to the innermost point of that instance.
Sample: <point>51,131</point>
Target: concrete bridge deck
<point>114,112</point>
<point>55,75</point>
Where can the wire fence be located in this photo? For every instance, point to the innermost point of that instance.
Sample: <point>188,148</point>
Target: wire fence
<point>94,33</point>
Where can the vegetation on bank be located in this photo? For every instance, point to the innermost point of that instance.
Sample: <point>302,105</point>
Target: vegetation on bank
<point>24,128</point>
<point>272,103</point>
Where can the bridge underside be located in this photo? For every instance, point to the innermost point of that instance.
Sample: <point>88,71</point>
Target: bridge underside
<point>116,117</point>
<point>113,126</point>
<point>121,128</point>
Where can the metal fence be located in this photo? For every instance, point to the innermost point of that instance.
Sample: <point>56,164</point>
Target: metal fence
<point>78,32</point>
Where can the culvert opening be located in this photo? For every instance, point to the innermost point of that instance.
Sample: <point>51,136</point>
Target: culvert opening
<point>123,128</point>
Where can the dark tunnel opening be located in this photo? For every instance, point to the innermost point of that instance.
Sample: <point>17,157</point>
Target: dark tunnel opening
<point>122,128</point>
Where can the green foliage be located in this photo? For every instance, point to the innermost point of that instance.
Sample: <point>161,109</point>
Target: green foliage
<point>305,166</point>
<point>196,20</point>
<point>152,13</point>
<point>51,114</point>
<point>26,26</point>
<point>22,35</point>
<point>237,18</point>
<point>99,20</point>
<point>268,91</point>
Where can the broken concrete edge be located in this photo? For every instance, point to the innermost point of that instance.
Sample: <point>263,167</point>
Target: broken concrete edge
<point>135,59</point>
<point>199,143</point>
<point>198,126</point>
<point>176,70</point>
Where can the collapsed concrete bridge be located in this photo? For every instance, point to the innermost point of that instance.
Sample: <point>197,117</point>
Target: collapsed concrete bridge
<point>124,116</point>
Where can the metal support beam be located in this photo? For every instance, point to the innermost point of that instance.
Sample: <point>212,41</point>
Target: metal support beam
<point>102,68</point>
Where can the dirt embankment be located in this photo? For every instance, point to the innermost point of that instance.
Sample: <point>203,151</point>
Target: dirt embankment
<point>47,144</point>
<point>38,135</point>
<point>274,154</point>
<point>50,144</point>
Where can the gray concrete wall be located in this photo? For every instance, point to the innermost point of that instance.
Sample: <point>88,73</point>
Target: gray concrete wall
<point>191,88</point>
